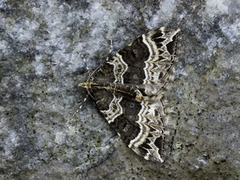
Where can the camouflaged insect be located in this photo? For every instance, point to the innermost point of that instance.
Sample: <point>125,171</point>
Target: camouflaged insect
<point>129,91</point>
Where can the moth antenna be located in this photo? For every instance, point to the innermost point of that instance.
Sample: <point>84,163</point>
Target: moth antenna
<point>88,71</point>
<point>80,105</point>
<point>89,76</point>
<point>84,100</point>
<point>84,60</point>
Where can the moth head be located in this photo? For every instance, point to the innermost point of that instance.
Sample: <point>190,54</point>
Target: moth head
<point>87,85</point>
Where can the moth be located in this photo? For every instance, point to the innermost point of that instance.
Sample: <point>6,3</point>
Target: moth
<point>129,92</point>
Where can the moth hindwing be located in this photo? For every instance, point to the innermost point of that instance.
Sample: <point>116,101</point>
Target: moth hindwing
<point>128,90</point>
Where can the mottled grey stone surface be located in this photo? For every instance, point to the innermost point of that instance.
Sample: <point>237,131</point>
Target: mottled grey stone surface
<point>43,44</point>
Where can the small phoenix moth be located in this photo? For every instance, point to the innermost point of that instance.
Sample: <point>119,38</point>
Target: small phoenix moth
<point>129,91</point>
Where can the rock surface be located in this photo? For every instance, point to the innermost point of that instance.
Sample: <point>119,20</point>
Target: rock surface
<point>46,48</point>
